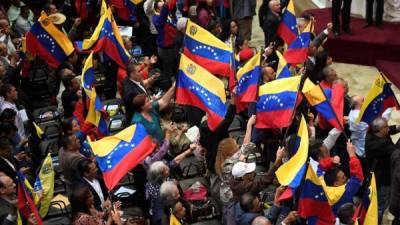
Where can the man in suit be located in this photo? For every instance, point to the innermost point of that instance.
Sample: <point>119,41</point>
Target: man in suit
<point>270,21</point>
<point>70,157</point>
<point>88,172</point>
<point>134,85</point>
<point>6,161</point>
<point>336,6</point>
<point>8,203</point>
<point>378,12</point>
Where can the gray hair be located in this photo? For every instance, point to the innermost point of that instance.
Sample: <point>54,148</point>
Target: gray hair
<point>260,220</point>
<point>167,193</point>
<point>326,70</point>
<point>378,124</point>
<point>272,2</point>
<point>155,174</point>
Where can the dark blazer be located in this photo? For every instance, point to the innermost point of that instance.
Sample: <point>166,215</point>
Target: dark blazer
<point>97,202</point>
<point>8,170</point>
<point>210,139</point>
<point>5,209</point>
<point>380,150</point>
<point>270,23</point>
<point>130,90</point>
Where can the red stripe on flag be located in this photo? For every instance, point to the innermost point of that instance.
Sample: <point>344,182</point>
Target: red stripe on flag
<point>186,97</point>
<point>274,119</point>
<point>214,67</point>
<point>286,34</point>
<point>295,55</point>
<point>130,161</point>
<point>35,47</point>
<point>309,207</point>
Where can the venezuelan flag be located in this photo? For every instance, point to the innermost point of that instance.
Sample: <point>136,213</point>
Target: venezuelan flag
<point>94,115</point>
<point>25,205</point>
<point>106,38</point>
<point>173,220</point>
<point>277,100</point>
<point>287,29</point>
<point>298,50</point>
<point>283,68</point>
<point>44,185</point>
<point>207,50</point>
<point>47,41</point>
<point>82,8</point>
<point>291,173</point>
<point>248,77</point>
<point>317,99</point>
<point>379,98</point>
<point>126,9</point>
<point>368,210</point>
<point>197,87</point>
<point>89,43</point>
<point>313,204</point>
<point>120,153</point>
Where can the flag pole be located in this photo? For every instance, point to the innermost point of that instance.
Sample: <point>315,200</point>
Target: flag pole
<point>384,78</point>
<point>336,118</point>
<point>302,80</point>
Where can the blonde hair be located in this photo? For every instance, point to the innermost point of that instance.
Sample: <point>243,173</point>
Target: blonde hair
<point>226,148</point>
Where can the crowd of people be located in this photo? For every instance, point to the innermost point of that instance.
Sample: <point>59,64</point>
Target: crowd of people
<point>234,165</point>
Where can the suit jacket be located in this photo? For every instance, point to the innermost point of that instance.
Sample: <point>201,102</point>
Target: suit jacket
<point>97,201</point>
<point>5,209</point>
<point>8,170</point>
<point>270,24</point>
<point>130,90</point>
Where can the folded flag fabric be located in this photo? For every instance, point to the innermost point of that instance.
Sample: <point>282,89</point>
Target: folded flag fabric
<point>48,42</point>
<point>197,87</point>
<point>25,205</point>
<point>44,185</point>
<point>106,38</point>
<point>39,131</point>
<point>297,51</point>
<point>118,154</point>
<point>317,99</point>
<point>313,204</point>
<point>283,68</point>
<point>368,210</point>
<point>379,98</point>
<point>248,78</point>
<point>126,9</point>
<point>276,102</point>
<point>94,115</point>
<point>208,51</point>
<point>292,172</point>
<point>287,29</point>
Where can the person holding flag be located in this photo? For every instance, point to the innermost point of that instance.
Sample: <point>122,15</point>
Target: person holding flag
<point>378,151</point>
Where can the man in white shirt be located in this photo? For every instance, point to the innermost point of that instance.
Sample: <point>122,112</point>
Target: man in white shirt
<point>5,36</point>
<point>88,172</point>
<point>23,24</point>
<point>10,95</point>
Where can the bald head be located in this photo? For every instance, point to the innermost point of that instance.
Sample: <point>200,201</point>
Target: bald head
<point>7,186</point>
<point>356,101</point>
<point>268,74</point>
<point>261,220</point>
<point>275,6</point>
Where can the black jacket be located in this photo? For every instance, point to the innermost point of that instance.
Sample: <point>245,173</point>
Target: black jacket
<point>8,170</point>
<point>378,151</point>
<point>210,139</point>
<point>130,90</point>
<point>97,202</point>
<point>394,206</point>
<point>269,22</point>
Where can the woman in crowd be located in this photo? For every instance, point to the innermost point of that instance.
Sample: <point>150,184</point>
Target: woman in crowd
<point>148,112</point>
<point>228,154</point>
<point>84,212</point>
<point>230,32</point>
